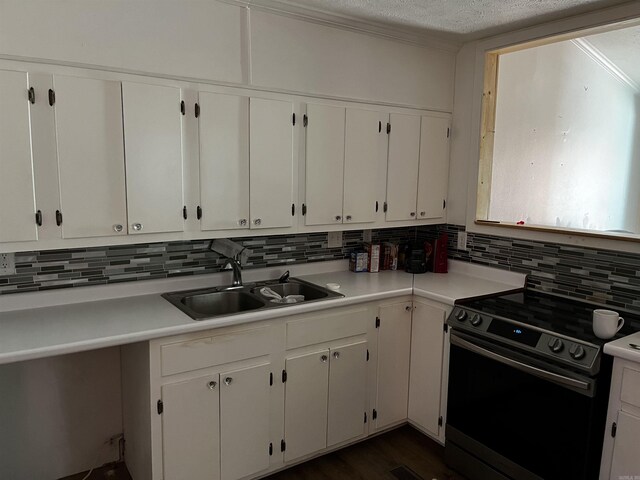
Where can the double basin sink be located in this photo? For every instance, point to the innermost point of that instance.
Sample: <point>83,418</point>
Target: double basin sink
<point>214,302</point>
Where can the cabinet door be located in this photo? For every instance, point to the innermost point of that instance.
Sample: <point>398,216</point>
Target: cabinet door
<point>271,163</point>
<point>244,421</point>
<point>402,169</point>
<point>362,154</point>
<point>626,461</point>
<point>17,196</point>
<point>224,161</point>
<point>394,345</point>
<point>324,165</point>
<point>347,392</point>
<point>90,157</point>
<point>191,429</point>
<point>305,405</point>
<point>425,380</point>
<point>153,149</point>
<point>433,178</point>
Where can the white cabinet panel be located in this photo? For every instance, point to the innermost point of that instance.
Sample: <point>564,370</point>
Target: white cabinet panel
<point>362,153</point>
<point>153,136</point>
<point>244,421</point>
<point>90,157</point>
<point>347,393</point>
<point>190,429</point>
<point>394,345</point>
<point>271,163</point>
<point>427,344</point>
<point>17,200</point>
<point>324,165</point>
<point>433,178</point>
<point>305,414</point>
<point>626,461</point>
<point>402,170</point>
<point>224,161</point>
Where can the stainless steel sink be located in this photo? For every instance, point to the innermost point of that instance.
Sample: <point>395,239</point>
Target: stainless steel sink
<point>214,302</point>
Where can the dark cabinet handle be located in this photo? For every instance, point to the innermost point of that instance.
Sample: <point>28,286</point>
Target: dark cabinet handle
<point>39,218</point>
<point>182,108</point>
<point>32,95</point>
<point>184,212</point>
<point>196,107</point>
<point>376,206</point>
<point>379,127</point>
<point>58,217</point>
<point>52,97</point>
<point>198,212</point>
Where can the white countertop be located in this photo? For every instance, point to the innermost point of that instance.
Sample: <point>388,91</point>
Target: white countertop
<point>61,326</point>
<point>620,347</point>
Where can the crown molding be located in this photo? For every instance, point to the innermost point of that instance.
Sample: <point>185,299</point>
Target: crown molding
<point>603,61</point>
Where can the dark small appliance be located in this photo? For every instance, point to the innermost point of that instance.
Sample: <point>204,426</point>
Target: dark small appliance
<point>415,258</point>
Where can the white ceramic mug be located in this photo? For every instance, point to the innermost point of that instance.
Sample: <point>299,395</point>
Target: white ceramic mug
<point>606,323</point>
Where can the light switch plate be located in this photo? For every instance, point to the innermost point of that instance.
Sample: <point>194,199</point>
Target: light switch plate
<point>462,241</point>
<point>7,264</point>
<point>335,239</point>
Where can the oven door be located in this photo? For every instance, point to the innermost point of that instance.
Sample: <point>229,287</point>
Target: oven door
<point>509,416</point>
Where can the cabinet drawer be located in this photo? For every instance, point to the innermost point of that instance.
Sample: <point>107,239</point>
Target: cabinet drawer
<point>630,387</point>
<point>328,326</point>
<point>215,350</point>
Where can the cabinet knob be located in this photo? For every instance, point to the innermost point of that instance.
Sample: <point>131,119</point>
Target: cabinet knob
<point>211,385</point>
<point>338,218</point>
<point>117,228</point>
<point>323,358</point>
<point>413,214</point>
<point>243,222</point>
<point>336,354</point>
<point>137,227</point>
<point>257,221</point>
<point>348,218</point>
<point>408,308</point>
<point>422,214</point>
<point>228,380</point>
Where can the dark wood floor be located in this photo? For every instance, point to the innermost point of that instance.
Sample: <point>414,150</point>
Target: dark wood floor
<point>378,458</point>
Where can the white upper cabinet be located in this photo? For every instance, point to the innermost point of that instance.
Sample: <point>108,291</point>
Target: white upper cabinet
<point>153,151</point>
<point>17,200</point>
<point>271,163</point>
<point>224,161</point>
<point>362,197</point>
<point>324,165</point>
<point>433,178</point>
<point>402,170</point>
<point>88,116</point>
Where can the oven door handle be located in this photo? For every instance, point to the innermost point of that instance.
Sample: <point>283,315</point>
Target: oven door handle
<point>538,372</point>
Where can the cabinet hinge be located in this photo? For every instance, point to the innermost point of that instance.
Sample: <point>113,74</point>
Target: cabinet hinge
<point>439,421</point>
<point>182,107</point>
<point>284,376</point>
<point>305,120</point>
<point>184,212</point>
<point>377,322</point>
<point>365,417</point>
<point>388,128</point>
<point>198,212</point>
<point>283,445</point>
<point>293,119</point>
<point>39,218</point>
<point>444,204</point>
<point>367,354</point>
<point>160,407</point>
<point>270,378</point>
<point>58,217</point>
<point>293,209</point>
<point>385,207</point>
<point>614,429</point>
<point>446,328</point>
<point>374,414</point>
<point>196,108</point>
<point>52,97</point>
<point>448,132</point>
<point>32,95</point>
<point>304,209</point>
<point>270,449</point>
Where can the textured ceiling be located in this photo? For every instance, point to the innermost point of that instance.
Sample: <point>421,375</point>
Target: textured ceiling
<point>622,48</point>
<point>461,20</point>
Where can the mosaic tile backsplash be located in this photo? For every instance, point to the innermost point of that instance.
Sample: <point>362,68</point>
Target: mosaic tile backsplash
<point>600,276</point>
<point>76,267</point>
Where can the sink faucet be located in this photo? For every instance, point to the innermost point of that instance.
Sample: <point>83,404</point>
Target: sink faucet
<point>234,264</point>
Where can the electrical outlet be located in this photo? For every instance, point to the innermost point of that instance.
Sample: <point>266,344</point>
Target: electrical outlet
<point>335,239</point>
<point>462,241</point>
<point>366,236</point>
<point>7,264</point>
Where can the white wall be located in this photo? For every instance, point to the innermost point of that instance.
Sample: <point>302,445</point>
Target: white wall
<point>56,413</point>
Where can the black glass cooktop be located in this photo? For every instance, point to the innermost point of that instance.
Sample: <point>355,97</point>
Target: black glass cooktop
<point>550,312</point>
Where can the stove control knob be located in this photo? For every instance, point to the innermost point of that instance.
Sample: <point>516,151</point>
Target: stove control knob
<point>577,352</point>
<point>556,345</point>
<point>476,320</point>
<point>461,316</point>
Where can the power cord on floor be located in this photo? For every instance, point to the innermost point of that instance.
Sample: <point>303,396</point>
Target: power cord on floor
<point>107,443</point>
